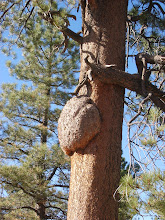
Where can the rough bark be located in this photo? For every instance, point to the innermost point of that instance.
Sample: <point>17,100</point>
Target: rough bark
<point>132,82</point>
<point>78,124</point>
<point>42,201</point>
<point>95,170</point>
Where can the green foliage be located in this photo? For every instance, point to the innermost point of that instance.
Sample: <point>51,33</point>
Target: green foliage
<point>147,131</point>
<point>146,193</point>
<point>34,173</point>
<point>126,211</point>
<point>147,33</point>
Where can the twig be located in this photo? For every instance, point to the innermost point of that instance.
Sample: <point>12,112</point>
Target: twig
<point>140,108</point>
<point>24,24</point>
<point>27,3</point>
<point>7,10</point>
<point>66,31</point>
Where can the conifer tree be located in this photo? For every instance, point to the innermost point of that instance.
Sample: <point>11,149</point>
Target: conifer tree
<point>102,45</point>
<point>146,123</point>
<point>34,173</point>
<point>126,211</point>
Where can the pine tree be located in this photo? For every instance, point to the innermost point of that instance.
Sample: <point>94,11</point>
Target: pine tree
<point>102,43</point>
<point>145,194</point>
<point>34,173</point>
<point>125,210</point>
<point>146,130</point>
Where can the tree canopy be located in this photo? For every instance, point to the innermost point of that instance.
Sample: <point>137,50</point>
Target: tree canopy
<point>34,173</point>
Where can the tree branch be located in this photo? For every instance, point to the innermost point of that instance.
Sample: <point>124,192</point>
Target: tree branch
<point>66,31</point>
<point>140,108</point>
<point>55,207</point>
<point>159,6</point>
<point>145,12</point>
<point>26,5</point>
<point>7,10</point>
<point>13,144</point>
<point>52,174</point>
<point>133,82</point>
<point>17,185</point>
<point>158,59</point>
<point>28,117</point>
<point>23,207</point>
<point>72,35</point>
<point>25,24</point>
<point>58,185</point>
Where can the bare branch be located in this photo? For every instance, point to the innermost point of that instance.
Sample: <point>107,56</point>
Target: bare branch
<point>25,23</point>
<point>160,7</point>
<point>129,128</point>
<point>26,5</point>
<point>140,108</point>
<point>132,82</point>
<point>58,185</point>
<point>7,10</point>
<point>66,31</point>
<point>52,174</point>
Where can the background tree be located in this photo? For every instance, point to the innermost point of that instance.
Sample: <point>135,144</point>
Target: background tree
<point>102,44</point>
<point>145,122</point>
<point>126,210</point>
<point>34,173</point>
<point>145,194</point>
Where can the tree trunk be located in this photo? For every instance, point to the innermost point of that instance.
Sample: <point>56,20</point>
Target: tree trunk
<point>95,171</point>
<point>42,211</point>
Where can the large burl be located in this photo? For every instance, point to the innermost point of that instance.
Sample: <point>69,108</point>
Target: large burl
<point>78,124</point>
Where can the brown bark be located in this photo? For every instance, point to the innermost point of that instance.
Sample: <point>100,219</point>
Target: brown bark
<point>95,171</point>
<point>132,82</point>
<point>124,79</point>
<point>42,211</point>
<point>42,201</point>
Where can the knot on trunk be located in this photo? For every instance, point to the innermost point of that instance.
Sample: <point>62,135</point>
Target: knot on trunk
<point>79,123</point>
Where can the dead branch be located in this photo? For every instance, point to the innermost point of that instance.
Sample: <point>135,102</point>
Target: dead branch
<point>158,59</point>
<point>142,59</point>
<point>65,30</point>
<point>141,34</point>
<point>7,10</point>
<point>140,108</point>
<point>129,127</point>
<point>72,35</point>
<point>133,82</point>
<point>26,5</point>
<point>144,12</point>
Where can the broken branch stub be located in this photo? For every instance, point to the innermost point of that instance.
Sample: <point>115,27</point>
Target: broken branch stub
<point>78,124</point>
